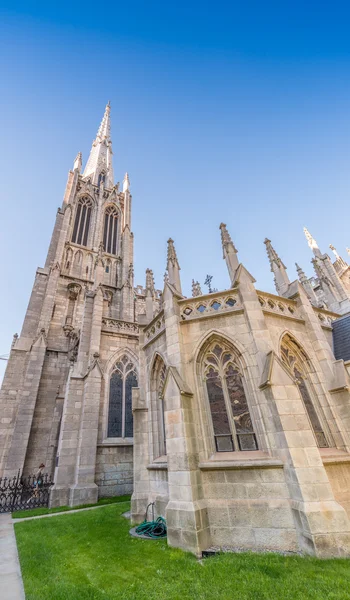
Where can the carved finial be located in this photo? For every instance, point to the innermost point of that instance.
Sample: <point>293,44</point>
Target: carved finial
<point>150,281</point>
<point>312,242</point>
<point>272,255</point>
<point>225,237</point>
<point>126,182</point>
<point>196,289</point>
<point>282,282</point>
<point>301,274</point>
<point>172,257</point>
<point>341,262</point>
<point>348,250</point>
<point>78,162</point>
<point>99,257</point>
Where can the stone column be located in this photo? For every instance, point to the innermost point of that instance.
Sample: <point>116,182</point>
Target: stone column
<point>322,525</point>
<point>186,512</point>
<point>27,401</point>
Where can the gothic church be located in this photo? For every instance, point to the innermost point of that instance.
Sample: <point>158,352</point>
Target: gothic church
<point>229,410</point>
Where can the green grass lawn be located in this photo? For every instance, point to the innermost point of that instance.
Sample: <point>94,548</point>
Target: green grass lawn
<point>90,556</point>
<point>36,512</point>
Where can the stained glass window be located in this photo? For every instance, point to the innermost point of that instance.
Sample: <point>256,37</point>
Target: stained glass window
<point>232,425</point>
<point>120,419</point>
<point>295,359</point>
<point>110,230</point>
<point>82,222</point>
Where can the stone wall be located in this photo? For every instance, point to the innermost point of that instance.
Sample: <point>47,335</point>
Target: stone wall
<point>249,508</point>
<point>114,470</point>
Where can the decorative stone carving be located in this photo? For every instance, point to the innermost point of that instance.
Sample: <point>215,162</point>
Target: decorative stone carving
<point>73,336</point>
<point>73,290</point>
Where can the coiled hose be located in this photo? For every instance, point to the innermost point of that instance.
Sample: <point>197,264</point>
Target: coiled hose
<point>153,529</point>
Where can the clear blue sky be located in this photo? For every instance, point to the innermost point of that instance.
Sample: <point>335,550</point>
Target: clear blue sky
<point>228,111</point>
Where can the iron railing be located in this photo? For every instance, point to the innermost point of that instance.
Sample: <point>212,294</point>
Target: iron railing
<point>23,493</point>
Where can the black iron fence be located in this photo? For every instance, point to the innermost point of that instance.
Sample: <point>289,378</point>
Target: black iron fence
<point>24,493</point>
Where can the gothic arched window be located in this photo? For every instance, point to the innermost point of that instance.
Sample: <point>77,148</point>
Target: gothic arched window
<point>157,387</point>
<point>110,230</point>
<point>82,221</point>
<point>296,361</point>
<point>232,424</point>
<point>123,379</point>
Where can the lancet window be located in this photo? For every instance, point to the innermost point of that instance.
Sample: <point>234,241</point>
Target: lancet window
<point>232,424</point>
<point>82,221</point>
<point>296,360</point>
<point>123,379</point>
<point>157,388</point>
<point>110,230</point>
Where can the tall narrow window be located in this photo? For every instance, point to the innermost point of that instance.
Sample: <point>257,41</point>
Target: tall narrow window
<point>232,424</point>
<point>296,360</point>
<point>82,222</point>
<point>157,388</point>
<point>123,379</point>
<point>101,178</point>
<point>110,230</point>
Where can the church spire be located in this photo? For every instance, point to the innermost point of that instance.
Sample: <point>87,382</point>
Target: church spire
<point>173,266</point>
<point>282,282</point>
<point>312,243</point>
<point>99,165</point>
<point>229,252</point>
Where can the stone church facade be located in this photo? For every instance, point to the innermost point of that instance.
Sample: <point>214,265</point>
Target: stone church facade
<point>228,410</point>
<point>80,332</point>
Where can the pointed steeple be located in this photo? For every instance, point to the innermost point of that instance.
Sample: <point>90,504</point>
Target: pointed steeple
<point>229,252</point>
<point>196,289</point>
<point>99,165</point>
<point>173,266</point>
<point>312,243</point>
<point>282,282</point>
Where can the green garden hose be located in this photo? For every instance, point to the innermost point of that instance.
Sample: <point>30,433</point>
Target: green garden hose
<point>153,529</point>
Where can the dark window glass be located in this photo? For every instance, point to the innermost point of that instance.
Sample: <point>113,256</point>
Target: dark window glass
<point>77,217</point>
<point>130,382</point>
<point>110,231</point>
<point>87,225</point>
<point>292,359</point>
<point>313,416</point>
<point>232,425</point>
<point>105,233</point>
<point>221,425</point>
<point>82,222</point>
<point>240,410</point>
<point>115,405</point>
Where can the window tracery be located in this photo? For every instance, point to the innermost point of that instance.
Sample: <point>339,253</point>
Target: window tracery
<point>82,221</point>
<point>110,230</point>
<point>123,379</point>
<point>232,424</point>
<point>296,360</point>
